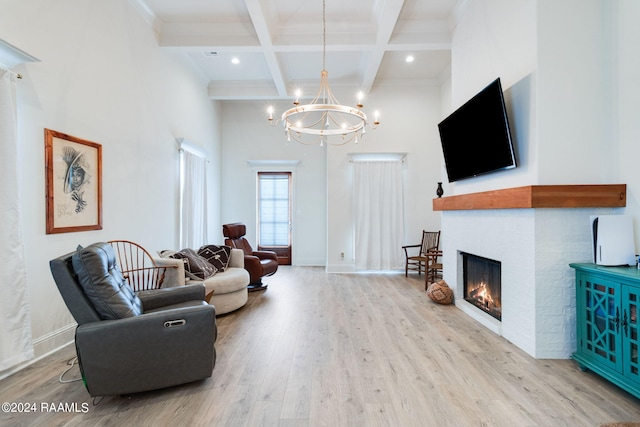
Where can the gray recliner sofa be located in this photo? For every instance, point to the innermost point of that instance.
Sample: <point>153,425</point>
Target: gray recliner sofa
<point>126,342</point>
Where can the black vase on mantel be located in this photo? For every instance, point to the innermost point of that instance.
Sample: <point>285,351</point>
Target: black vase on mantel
<point>439,191</point>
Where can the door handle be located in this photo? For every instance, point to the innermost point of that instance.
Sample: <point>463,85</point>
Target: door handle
<point>625,323</point>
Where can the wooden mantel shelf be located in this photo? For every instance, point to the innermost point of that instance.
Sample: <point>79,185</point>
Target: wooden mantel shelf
<point>538,196</point>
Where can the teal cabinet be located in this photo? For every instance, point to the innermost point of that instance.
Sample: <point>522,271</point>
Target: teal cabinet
<point>607,306</point>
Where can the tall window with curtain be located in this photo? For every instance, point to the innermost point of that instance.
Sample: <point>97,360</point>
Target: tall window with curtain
<point>16,344</point>
<point>379,214</point>
<point>193,198</point>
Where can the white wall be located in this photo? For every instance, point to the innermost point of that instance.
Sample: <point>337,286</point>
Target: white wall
<point>102,78</point>
<point>570,72</point>
<point>248,136</point>
<point>573,94</point>
<point>409,117</point>
<point>497,38</point>
<point>555,66</point>
<point>626,89</point>
<point>323,224</point>
<point>576,108</point>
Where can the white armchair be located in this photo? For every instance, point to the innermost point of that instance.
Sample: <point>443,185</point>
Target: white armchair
<point>229,287</point>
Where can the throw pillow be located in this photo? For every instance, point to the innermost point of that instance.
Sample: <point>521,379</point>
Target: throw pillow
<point>218,256</point>
<point>440,292</point>
<point>195,267</point>
<point>166,253</point>
<point>103,284</point>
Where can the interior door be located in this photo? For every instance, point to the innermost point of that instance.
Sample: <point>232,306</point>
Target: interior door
<point>274,214</point>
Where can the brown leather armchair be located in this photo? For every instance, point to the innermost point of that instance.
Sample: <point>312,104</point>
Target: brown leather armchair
<point>259,264</point>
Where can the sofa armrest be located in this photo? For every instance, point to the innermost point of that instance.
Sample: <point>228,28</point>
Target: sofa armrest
<point>141,353</point>
<point>236,259</point>
<point>252,263</point>
<point>156,298</point>
<point>174,275</point>
<point>266,255</point>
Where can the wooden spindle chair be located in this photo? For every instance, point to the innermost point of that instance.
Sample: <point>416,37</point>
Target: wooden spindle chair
<point>137,266</point>
<point>434,267</point>
<point>425,255</point>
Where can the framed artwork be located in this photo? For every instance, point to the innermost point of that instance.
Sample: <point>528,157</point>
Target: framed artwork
<point>73,169</point>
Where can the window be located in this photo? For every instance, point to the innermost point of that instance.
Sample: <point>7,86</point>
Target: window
<point>274,209</point>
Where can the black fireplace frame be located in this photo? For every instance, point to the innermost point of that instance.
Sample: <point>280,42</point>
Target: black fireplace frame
<point>496,274</point>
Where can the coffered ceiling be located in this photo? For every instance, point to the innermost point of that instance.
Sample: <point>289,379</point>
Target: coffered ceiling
<point>265,49</point>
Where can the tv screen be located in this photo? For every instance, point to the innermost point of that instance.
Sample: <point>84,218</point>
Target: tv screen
<point>475,138</point>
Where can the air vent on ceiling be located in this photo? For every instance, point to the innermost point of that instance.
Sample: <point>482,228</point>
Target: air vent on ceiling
<point>211,53</point>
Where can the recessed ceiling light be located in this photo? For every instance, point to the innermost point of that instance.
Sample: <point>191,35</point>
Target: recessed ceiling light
<point>235,60</point>
<point>409,58</point>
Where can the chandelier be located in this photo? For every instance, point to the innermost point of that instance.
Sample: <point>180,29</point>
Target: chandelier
<point>324,119</point>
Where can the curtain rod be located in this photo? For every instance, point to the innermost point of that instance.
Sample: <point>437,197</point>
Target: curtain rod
<point>354,157</point>
<point>377,160</point>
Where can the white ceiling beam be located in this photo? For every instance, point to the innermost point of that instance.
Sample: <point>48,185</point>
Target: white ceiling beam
<point>250,90</point>
<point>179,34</point>
<point>374,36</point>
<point>388,15</point>
<point>256,12</point>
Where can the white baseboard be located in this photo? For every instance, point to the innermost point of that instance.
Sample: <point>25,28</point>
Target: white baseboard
<point>55,340</point>
<point>340,268</point>
<point>44,346</point>
<point>309,262</point>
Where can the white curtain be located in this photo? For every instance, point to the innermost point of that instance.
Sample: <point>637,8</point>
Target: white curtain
<point>193,200</point>
<point>379,223</point>
<point>15,321</point>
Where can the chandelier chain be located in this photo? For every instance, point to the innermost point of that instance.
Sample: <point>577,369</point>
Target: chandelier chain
<point>324,34</point>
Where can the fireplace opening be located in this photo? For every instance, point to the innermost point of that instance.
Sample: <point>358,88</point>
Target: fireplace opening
<point>483,283</point>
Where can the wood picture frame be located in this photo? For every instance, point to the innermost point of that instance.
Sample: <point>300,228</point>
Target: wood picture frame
<point>73,170</point>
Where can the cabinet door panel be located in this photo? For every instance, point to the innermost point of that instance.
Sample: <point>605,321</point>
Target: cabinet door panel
<point>601,338</point>
<point>630,304</point>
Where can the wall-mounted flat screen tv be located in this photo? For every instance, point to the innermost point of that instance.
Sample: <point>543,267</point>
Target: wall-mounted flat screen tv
<point>476,138</point>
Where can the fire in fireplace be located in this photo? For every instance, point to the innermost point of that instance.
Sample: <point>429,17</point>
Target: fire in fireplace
<point>483,283</point>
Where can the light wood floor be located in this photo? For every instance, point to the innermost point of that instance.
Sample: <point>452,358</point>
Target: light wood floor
<point>320,349</point>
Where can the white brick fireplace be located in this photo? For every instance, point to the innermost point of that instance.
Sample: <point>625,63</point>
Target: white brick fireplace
<point>535,247</point>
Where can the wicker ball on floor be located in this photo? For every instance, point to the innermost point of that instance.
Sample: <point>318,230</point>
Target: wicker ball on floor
<point>440,292</point>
